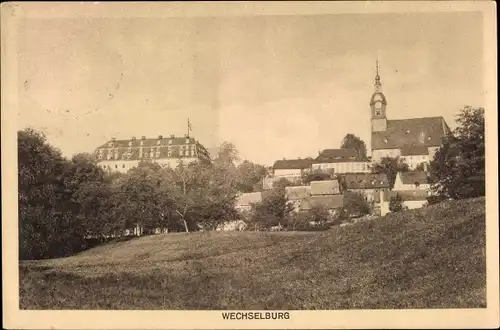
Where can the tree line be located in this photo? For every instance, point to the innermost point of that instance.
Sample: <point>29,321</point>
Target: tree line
<point>64,204</point>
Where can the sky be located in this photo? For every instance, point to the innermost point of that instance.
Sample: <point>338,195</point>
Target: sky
<point>275,86</point>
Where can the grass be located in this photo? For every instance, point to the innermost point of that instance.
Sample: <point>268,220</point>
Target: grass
<point>428,258</point>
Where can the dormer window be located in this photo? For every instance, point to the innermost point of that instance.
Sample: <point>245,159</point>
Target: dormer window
<point>142,143</point>
<point>385,140</point>
<point>130,143</point>
<point>169,141</point>
<point>407,131</point>
<point>187,141</point>
<point>110,144</point>
<point>428,138</point>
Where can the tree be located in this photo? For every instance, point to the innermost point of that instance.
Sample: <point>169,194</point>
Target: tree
<point>228,154</point>
<point>355,204</point>
<point>48,226</point>
<point>273,210</point>
<point>458,168</point>
<point>390,166</point>
<point>351,141</point>
<point>396,203</point>
<point>249,175</point>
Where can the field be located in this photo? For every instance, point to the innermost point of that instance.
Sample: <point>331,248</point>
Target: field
<point>428,258</point>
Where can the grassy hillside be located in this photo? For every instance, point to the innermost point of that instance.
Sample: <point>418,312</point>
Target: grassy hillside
<point>428,258</point>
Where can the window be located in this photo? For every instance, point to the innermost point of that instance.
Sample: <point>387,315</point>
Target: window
<point>123,166</point>
<point>407,131</point>
<point>116,166</point>
<point>187,141</point>
<point>130,144</point>
<point>158,142</point>
<point>428,138</point>
<point>378,113</point>
<point>100,156</point>
<point>142,143</point>
<point>169,153</point>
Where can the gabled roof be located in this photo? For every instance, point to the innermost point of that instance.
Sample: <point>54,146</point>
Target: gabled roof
<point>407,195</point>
<point>365,181</point>
<point>247,199</point>
<point>292,164</point>
<point>414,150</point>
<point>327,187</point>
<point>426,132</point>
<point>297,192</point>
<point>328,202</point>
<point>339,156</point>
<point>148,142</point>
<point>413,176</point>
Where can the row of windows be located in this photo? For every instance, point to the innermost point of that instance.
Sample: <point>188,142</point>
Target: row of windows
<point>185,153</point>
<point>141,142</point>
<point>189,147</point>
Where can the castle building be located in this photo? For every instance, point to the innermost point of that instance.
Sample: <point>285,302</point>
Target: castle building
<point>122,155</point>
<point>416,140</point>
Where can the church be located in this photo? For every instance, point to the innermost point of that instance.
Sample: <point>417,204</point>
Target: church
<point>415,140</point>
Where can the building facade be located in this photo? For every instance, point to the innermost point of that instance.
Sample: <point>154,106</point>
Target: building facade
<point>416,139</point>
<point>122,155</point>
<point>340,161</point>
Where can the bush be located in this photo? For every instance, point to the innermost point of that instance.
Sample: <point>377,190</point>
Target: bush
<point>396,204</point>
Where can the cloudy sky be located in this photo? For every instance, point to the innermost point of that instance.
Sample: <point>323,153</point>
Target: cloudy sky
<point>276,86</point>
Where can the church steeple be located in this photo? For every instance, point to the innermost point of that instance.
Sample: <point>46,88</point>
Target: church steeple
<point>378,105</point>
<point>378,84</point>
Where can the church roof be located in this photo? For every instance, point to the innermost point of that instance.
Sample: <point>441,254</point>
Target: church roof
<point>423,132</point>
<point>292,164</point>
<point>416,150</point>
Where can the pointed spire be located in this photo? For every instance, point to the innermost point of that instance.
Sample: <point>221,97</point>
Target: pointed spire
<point>378,84</point>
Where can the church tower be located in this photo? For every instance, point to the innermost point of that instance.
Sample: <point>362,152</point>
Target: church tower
<point>378,105</point>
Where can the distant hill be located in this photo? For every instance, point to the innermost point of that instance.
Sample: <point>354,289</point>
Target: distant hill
<point>432,257</point>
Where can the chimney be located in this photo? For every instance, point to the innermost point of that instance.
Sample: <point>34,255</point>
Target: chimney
<point>133,138</point>
<point>143,138</point>
<point>160,137</point>
<point>172,136</point>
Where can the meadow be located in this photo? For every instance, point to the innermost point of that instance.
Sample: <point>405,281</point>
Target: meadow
<point>432,257</point>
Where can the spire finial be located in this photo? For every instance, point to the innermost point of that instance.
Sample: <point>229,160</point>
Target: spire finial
<point>377,78</point>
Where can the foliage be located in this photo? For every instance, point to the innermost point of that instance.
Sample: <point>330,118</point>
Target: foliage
<point>351,141</point>
<point>390,166</point>
<point>458,168</point>
<point>396,203</point>
<point>249,175</point>
<point>317,218</point>
<point>282,183</point>
<point>64,204</point>
<point>355,205</point>
<point>273,210</point>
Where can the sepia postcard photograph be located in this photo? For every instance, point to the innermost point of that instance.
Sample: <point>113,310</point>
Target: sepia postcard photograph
<point>249,165</point>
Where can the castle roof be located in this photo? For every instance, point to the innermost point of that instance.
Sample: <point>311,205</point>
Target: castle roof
<point>422,132</point>
<point>148,142</point>
<point>292,164</point>
<point>365,181</point>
